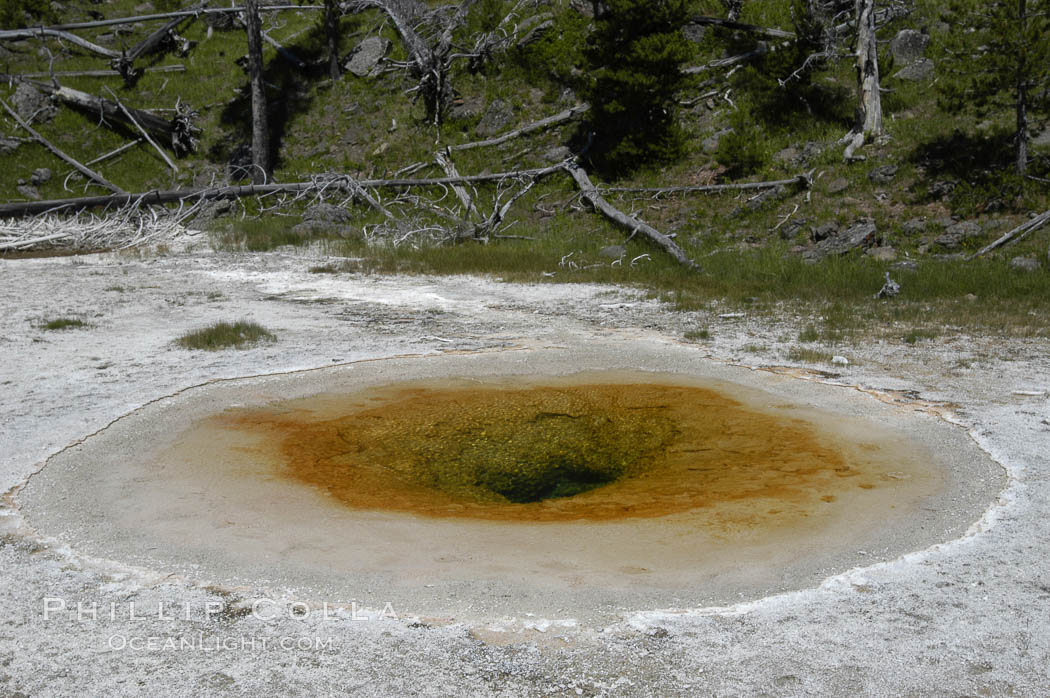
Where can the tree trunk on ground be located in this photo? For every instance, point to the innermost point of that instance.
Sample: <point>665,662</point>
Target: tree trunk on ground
<point>869,110</point>
<point>1021,137</point>
<point>260,124</point>
<point>331,29</point>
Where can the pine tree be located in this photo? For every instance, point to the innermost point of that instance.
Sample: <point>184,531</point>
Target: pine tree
<point>1000,59</point>
<point>636,52</point>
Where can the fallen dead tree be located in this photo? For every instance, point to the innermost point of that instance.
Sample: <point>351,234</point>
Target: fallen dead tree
<point>342,182</point>
<point>41,32</point>
<point>1014,235</point>
<point>179,133</point>
<point>635,226</point>
<point>86,171</point>
<point>804,180</point>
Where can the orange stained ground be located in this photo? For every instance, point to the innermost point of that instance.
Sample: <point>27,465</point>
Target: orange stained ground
<point>588,451</point>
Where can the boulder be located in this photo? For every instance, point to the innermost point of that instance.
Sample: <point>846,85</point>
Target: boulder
<point>955,234</point>
<point>496,119</point>
<point>8,145</point>
<point>909,46</point>
<point>32,104</point>
<point>921,69</point>
<point>913,226</point>
<point>29,191</point>
<point>883,174</point>
<point>613,251</point>
<point>823,231</point>
<point>41,175</point>
<point>367,55</point>
<point>860,234</point>
<point>941,189</point>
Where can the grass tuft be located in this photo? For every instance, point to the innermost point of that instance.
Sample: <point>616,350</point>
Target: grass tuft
<point>223,335</point>
<point>809,356</point>
<point>63,323</point>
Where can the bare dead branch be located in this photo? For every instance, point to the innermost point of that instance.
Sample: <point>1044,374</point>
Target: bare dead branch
<point>635,226</point>
<point>86,171</point>
<point>1014,235</point>
<point>41,32</point>
<point>558,118</point>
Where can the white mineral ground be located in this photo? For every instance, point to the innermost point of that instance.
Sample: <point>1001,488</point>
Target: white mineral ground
<point>953,599</point>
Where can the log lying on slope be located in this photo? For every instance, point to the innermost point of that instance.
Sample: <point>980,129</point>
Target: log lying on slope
<point>590,192</point>
<point>86,171</point>
<point>179,133</point>
<point>343,183</point>
<point>16,34</point>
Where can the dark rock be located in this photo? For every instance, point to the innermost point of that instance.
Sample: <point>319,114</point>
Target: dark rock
<point>32,104</point>
<point>909,46</point>
<point>1024,264</point>
<point>921,69</point>
<point>41,175</point>
<point>367,55</point>
<point>955,234</point>
<point>326,213</point>
<point>913,226</point>
<point>838,186</point>
<point>496,119</point>
<point>710,144</point>
<point>8,145</point>
<point>824,231</point>
<point>613,251</point>
<point>29,192</point>
<point>792,228</point>
<point>883,174</point>
<point>941,189</point>
<point>860,234</point>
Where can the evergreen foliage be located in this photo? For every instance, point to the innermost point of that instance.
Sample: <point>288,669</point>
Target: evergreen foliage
<point>21,13</point>
<point>1000,60</point>
<point>636,52</point>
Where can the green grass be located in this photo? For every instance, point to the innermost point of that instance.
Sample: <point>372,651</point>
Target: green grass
<point>698,335</point>
<point>224,335</point>
<point>808,356</point>
<point>62,323</point>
